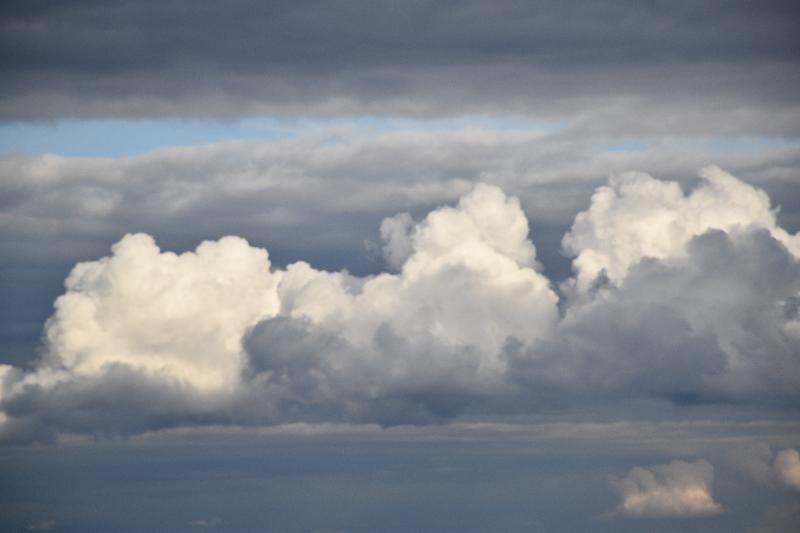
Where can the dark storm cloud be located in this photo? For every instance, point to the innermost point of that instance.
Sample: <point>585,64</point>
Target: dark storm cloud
<point>180,58</point>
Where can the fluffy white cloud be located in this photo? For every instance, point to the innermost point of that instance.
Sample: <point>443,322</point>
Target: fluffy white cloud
<point>787,467</point>
<point>467,283</point>
<point>469,278</point>
<point>637,216</point>
<point>675,489</point>
<point>466,320</point>
<point>177,315</point>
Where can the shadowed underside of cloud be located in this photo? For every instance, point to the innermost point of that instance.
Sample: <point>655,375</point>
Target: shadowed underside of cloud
<point>424,58</point>
<point>684,298</point>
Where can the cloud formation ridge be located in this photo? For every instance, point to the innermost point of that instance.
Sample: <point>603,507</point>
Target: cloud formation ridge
<point>686,298</point>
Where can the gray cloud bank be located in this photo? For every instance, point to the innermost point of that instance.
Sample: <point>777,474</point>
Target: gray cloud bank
<point>677,297</point>
<point>709,67</point>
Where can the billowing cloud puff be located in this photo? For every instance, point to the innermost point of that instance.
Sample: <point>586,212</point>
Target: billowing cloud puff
<point>787,467</point>
<point>467,283</point>
<point>717,322</point>
<point>175,315</point>
<point>144,339</point>
<point>675,489</point>
<point>469,278</point>
<point>703,307</point>
<point>637,216</point>
<point>421,343</point>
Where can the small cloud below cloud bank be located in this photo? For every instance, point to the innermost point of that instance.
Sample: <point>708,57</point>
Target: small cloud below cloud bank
<point>787,467</point>
<point>762,465</point>
<point>677,489</point>
<point>44,525</point>
<point>204,523</point>
<point>684,298</point>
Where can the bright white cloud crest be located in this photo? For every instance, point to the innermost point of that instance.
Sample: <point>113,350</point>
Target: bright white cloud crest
<point>675,489</point>
<point>466,317</point>
<point>178,315</point>
<point>637,216</point>
<point>787,467</point>
<point>468,278</point>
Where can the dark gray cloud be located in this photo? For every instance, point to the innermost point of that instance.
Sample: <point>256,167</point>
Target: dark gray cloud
<point>734,63</point>
<point>121,401</point>
<point>714,326</point>
<point>304,363</point>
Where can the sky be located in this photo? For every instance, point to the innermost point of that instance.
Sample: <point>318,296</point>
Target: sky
<point>351,266</point>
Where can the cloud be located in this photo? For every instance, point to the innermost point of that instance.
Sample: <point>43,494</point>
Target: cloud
<point>718,323</point>
<point>766,467</point>
<point>320,195</point>
<point>157,319</point>
<point>44,525</point>
<point>178,315</point>
<point>466,323</point>
<point>420,59</point>
<point>421,343</point>
<point>755,461</point>
<point>787,467</point>
<point>317,197</point>
<point>556,471</point>
<point>677,489</point>
<point>204,523</point>
<point>636,216</point>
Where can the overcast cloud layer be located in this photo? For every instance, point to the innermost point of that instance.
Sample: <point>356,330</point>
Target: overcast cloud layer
<point>711,67</point>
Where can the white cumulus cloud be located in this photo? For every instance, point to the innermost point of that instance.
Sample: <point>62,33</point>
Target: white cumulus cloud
<point>177,315</point>
<point>469,281</point>
<point>637,216</point>
<point>702,305</point>
<point>676,489</point>
<point>787,467</point>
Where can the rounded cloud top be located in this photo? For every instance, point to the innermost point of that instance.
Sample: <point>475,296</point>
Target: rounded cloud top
<point>682,297</point>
